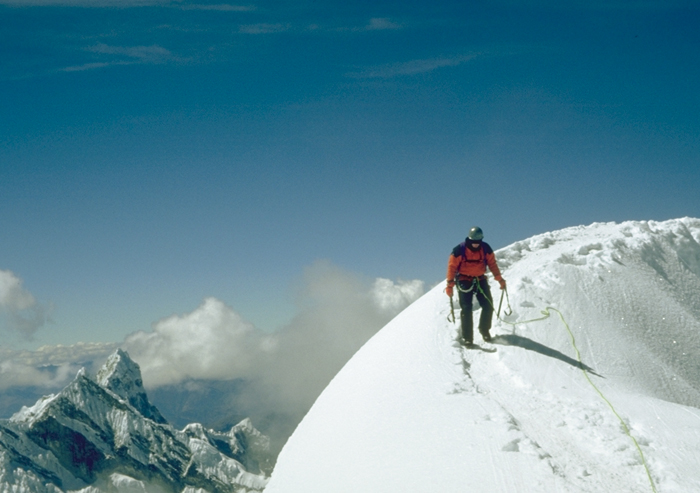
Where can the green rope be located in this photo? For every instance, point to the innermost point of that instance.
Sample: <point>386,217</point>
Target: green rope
<point>546,314</point>
<point>612,408</point>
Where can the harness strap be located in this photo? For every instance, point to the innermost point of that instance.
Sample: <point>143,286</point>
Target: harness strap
<point>474,283</point>
<point>463,253</point>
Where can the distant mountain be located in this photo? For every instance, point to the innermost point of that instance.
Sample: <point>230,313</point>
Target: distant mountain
<point>227,403</point>
<point>104,435</point>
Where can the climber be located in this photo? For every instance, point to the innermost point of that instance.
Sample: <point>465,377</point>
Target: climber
<point>466,268</point>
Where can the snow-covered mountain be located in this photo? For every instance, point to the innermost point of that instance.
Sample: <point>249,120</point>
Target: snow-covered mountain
<point>602,395</point>
<point>103,435</point>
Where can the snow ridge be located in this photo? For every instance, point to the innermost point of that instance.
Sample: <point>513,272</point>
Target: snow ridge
<point>415,411</point>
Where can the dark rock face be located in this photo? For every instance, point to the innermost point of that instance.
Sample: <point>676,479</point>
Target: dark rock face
<point>74,451</point>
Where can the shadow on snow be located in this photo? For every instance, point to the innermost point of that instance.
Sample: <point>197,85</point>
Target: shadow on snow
<point>530,345</point>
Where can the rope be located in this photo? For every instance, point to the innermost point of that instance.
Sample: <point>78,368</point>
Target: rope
<point>546,314</point>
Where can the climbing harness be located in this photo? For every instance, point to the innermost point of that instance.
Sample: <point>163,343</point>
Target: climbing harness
<point>474,283</point>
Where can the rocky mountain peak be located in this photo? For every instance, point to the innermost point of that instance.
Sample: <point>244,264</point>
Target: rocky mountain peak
<point>122,376</point>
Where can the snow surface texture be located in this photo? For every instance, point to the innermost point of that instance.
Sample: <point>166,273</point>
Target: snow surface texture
<point>104,436</point>
<point>413,411</point>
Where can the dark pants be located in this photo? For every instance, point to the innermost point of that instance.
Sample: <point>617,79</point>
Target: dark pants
<point>483,295</point>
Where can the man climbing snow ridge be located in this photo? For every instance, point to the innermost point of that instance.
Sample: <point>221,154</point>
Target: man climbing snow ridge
<point>466,268</point>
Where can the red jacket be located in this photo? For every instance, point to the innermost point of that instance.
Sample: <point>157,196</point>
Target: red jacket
<point>465,263</point>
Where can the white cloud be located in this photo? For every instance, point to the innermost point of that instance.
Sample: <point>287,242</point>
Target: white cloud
<point>219,7</point>
<point>50,367</point>
<point>394,297</point>
<point>89,66</point>
<point>132,51</point>
<point>144,54</point>
<point>18,374</point>
<point>81,352</point>
<point>84,3</point>
<point>125,55</point>
<point>12,295</point>
<point>412,67</point>
<point>337,313</point>
<point>263,28</point>
<point>380,24</point>
<point>22,313</point>
<point>599,5</point>
<point>212,342</point>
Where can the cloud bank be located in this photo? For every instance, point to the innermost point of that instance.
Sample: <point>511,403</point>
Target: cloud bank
<point>213,355</point>
<point>337,313</point>
<point>50,367</point>
<point>212,343</point>
<point>19,310</point>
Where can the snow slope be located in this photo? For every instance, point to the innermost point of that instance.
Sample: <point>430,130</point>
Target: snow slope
<point>413,411</point>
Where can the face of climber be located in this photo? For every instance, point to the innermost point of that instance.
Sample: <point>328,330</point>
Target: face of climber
<point>474,245</point>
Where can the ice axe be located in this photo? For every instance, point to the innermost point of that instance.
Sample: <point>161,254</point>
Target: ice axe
<point>452,312</point>
<point>509,310</point>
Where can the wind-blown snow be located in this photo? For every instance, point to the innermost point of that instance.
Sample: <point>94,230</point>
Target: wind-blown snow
<point>413,411</point>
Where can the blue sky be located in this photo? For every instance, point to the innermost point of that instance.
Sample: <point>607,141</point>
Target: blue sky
<point>155,153</point>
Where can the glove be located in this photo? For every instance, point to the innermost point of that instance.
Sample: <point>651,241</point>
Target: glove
<point>449,289</point>
<point>502,282</point>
